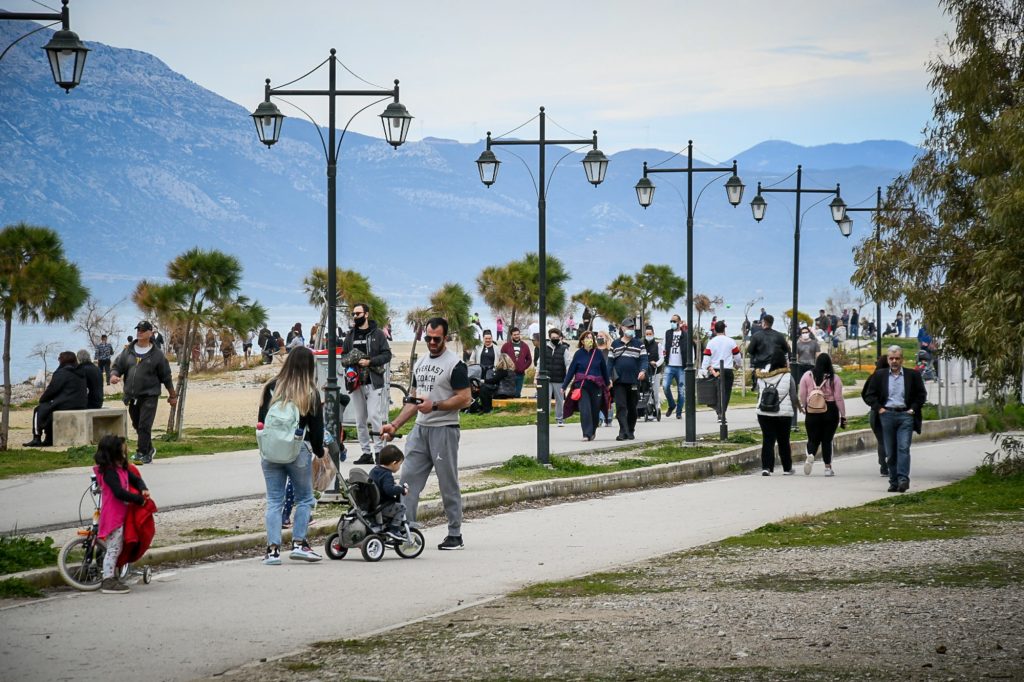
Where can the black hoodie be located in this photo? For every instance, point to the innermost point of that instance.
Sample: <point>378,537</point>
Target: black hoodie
<point>374,343</point>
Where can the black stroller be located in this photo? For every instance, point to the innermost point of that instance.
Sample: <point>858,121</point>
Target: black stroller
<point>362,526</point>
<point>926,365</point>
<point>649,404</point>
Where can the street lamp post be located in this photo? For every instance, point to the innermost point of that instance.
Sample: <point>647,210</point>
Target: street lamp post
<point>846,227</point>
<point>595,164</point>
<point>65,51</point>
<point>269,120</point>
<point>759,206</point>
<point>645,195</point>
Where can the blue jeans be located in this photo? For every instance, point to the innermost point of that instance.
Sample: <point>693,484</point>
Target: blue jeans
<point>677,374</point>
<point>520,378</point>
<point>897,431</point>
<point>276,475</point>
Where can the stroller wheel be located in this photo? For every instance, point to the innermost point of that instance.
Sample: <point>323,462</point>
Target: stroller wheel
<point>413,548</point>
<point>147,575</point>
<point>373,548</point>
<point>333,548</point>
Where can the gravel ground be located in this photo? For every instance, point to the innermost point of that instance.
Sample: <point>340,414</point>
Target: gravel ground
<point>936,610</point>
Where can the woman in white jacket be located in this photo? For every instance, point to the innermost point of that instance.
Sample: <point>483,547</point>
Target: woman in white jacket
<point>776,415</point>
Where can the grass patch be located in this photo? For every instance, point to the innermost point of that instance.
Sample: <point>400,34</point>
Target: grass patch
<point>980,574</point>
<point>23,554</point>
<point>213,532</point>
<point>301,666</point>
<point>16,588</point>
<point>353,646</point>
<point>523,468</point>
<point>963,508</point>
<point>594,585</point>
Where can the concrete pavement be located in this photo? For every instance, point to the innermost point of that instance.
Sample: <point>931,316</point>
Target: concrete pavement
<point>205,619</point>
<point>51,499</point>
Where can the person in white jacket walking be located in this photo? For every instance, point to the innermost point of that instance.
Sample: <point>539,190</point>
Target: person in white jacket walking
<point>776,405</point>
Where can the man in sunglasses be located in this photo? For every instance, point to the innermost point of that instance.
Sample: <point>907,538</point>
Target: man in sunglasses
<point>371,340</point>
<point>440,383</point>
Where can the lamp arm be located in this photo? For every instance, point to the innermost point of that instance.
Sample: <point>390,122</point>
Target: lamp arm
<point>812,206</point>
<point>26,36</point>
<point>323,142</point>
<point>347,124</point>
<point>701,192</point>
<point>528,170</point>
<point>547,188</point>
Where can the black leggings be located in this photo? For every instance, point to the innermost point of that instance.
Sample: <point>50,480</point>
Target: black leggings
<point>775,430</point>
<point>821,429</point>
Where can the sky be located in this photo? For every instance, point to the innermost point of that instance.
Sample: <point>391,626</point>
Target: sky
<point>726,74</point>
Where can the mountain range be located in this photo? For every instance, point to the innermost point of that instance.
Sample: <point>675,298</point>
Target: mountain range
<point>138,164</point>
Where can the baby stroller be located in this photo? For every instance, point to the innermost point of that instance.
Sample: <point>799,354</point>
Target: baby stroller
<point>649,405</point>
<point>362,525</point>
<point>475,382</point>
<point>926,365</point>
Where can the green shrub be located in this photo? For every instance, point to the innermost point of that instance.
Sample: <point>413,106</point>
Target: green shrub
<point>13,588</point>
<point>23,554</point>
<point>1008,457</point>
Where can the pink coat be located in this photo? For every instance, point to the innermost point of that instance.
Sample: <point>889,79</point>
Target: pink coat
<point>833,391</point>
<point>113,511</point>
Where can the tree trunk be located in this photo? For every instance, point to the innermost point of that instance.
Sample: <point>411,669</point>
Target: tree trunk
<point>183,366</point>
<point>5,418</point>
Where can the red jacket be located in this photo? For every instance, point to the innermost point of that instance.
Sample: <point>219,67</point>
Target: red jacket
<point>525,359</point>
<point>139,529</point>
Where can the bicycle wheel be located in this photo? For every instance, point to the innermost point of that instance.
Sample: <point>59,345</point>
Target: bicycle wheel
<point>80,563</point>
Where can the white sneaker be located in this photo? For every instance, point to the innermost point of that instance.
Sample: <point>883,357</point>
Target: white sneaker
<point>808,464</point>
<point>765,472</point>
<point>272,557</point>
<point>303,553</point>
<point>788,473</point>
<point>829,472</point>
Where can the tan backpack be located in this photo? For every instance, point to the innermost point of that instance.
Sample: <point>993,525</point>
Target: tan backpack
<point>816,403</point>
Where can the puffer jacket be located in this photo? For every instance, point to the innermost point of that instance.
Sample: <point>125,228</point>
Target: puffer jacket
<point>785,384</point>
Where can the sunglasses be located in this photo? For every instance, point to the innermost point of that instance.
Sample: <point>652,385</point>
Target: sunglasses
<point>433,339</point>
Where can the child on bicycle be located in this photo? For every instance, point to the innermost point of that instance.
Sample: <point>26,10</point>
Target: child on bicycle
<point>115,479</point>
<point>383,476</point>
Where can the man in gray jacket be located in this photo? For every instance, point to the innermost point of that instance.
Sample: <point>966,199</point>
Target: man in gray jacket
<point>144,369</point>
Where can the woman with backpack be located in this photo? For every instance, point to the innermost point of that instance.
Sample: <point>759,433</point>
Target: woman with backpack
<point>776,405</point>
<point>290,426</point>
<point>821,397</point>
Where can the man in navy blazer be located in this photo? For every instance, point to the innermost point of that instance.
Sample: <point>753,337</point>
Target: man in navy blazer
<point>897,395</point>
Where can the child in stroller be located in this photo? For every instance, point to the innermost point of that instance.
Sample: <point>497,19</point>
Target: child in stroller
<point>374,521</point>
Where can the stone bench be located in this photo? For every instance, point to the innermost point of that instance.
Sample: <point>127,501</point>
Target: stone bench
<point>86,427</point>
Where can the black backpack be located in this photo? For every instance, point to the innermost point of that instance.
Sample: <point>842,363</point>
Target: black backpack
<point>769,401</point>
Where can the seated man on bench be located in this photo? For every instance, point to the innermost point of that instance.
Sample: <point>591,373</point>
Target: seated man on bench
<point>67,391</point>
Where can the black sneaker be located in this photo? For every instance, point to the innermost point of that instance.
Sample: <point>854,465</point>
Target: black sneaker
<point>148,459</point>
<point>452,542</point>
<point>904,485</point>
<point>137,458</point>
<point>113,586</point>
<point>893,488</point>
<point>365,459</point>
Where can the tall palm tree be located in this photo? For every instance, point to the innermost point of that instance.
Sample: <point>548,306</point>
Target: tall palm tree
<point>203,284</point>
<point>37,283</point>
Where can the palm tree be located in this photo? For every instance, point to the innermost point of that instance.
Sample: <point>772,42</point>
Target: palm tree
<point>452,302</point>
<point>351,287</point>
<point>37,283</point>
<point>204,284</point>
<point>601,305</point>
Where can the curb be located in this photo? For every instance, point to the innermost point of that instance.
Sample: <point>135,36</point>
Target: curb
<point>659,474</point>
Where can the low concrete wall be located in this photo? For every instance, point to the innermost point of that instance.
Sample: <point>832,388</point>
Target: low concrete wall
<point>659,474</point>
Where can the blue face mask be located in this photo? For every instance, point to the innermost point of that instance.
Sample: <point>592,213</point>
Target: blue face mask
<point>628,333</point>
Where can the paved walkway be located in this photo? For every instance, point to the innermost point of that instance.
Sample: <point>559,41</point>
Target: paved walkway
<point>51,498</point>
<point>209,618</point>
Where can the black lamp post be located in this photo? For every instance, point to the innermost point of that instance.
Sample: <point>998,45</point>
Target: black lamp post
<point>758,206</point>
<point>65,51</point>
<point>846,227</point>
<point>645,195</point>
<point>269,119</point>
<point>595,164</point>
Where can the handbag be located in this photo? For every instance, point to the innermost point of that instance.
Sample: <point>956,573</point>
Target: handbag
<point>577,392</point>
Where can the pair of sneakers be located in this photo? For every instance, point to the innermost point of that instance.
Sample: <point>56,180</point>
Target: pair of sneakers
<point>112,585</point>
<point>809,464</point>
<point>301,551</point>
<point>139,458</point>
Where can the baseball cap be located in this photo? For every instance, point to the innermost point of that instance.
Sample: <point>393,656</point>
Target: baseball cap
<point>628,322</point>
<point>145,326</point>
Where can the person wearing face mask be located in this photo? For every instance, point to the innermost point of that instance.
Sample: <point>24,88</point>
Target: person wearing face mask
<point>653,363</point>
<point>629,362</point>
<point>807,347</point>
<point>367,337</point>
<point>588,372</point>
<point>556,356</point>
<point>603,347</point>
<point>674,352</point>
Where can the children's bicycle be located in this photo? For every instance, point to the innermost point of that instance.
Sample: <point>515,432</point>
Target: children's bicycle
<point>80,560</point>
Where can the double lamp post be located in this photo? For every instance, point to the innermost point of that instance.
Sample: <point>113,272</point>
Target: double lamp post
<point>269,119</point>
<point>645,195</point>
<point>595,164</point>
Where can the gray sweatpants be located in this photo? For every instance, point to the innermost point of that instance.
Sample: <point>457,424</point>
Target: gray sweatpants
<point>437,448</point>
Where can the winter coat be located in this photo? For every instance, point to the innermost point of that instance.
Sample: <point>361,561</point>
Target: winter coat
<point>785,384</point>
<point>143,375</point>
<point>67,390</point>
<point>377,348</point>
<point>93,383</point>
